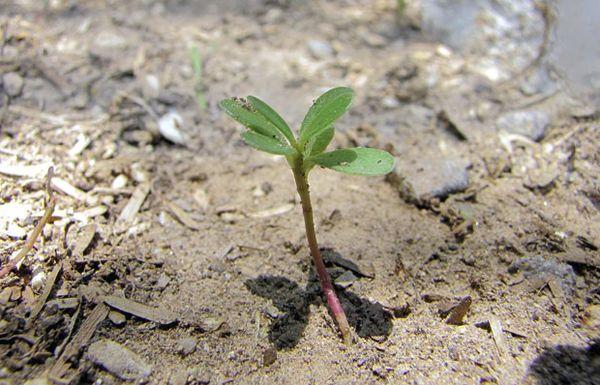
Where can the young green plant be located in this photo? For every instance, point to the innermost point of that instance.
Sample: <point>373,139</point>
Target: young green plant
<point>268,132</point>
<point>198,84</point>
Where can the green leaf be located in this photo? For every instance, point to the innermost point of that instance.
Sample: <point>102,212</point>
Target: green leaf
<point>267,144</point>
<point>318,143</point>
<point>356,161</point>
<point>273,117</point>
<point>244,113</point>
<point>324,111</point>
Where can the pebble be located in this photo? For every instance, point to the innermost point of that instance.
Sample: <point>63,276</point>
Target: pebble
<point>151,86</point>
<point>199,375</point>
<point>119,182</point>
<point>319,49</point>
<point>186,346</point>
<point>538,267</point>
<point>380,371</point>
<point>38,281</point>
<point>13,84</point>
<point>117,318</point>
<point>178,377</point>
<point>169,126</point>
<point>539,82</point>
<point>390,102</point>
<point>269,356</point>
<point>273,312</point>
<point>118,360</point>
<point>373,39</point>
<point>163,281</point>
<point>110,40</point>
<point>591,316</point>
<point>529,123</point>
<point>421,179</point>
<point>345,280</point>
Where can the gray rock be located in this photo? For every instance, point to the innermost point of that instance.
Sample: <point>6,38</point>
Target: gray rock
<point>574,49</point>
<point>163,281</point>
<point>416,114</point>
<point>320,49</point>
<point>345,280</point>
<point>420,180</point>
<point>540,267</point>
<point>117,318</point>
<point>502,37</point>
<point>199,375</point>
<point>186,346</point>
<point>110,40</point>
<point>13,84</point>
<point>529,123</point>
<point>390,102</point>
<point>179,377</point>
<point>539,82</point>
<point>118,360</point>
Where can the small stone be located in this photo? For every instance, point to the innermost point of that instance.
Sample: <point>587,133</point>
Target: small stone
<point>138,173</point>
<point>591,316</point>
<point>199,375</point>
<point>79,101</point>
<point>390,102</point>
<point>5,295</point>
<point>178,377</point>
<point>541,179</point>
<point>119,182</point>
<point>38,281</point>
<point>186,346</point>
<point>345,280</point>
<point>109,40</point>
<point>118,360</point>
<point>151,87</point>
<point>201,198</point>
<point>420,180</point>
<point>258,192</point>
<point>231,217</point>
<point>380,371</point>
<point>538,268</point>
<point>163,281</point>
<point>170,127</point>
<point>373,39</point>
<point>529,123</point>
<point>273,312</point>
<point>13,84</point>
<point>117,318</point>
<point>319,49</point>
<point>269,356</point>
<point>538,82</point>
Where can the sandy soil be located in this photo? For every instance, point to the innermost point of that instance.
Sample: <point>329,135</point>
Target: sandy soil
<point>216,245</point>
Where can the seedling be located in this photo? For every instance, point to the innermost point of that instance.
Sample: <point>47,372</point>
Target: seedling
<point>268,132</point>
<point>198,84</point>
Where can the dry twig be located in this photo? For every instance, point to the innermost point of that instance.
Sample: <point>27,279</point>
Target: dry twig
<point>12,264</point>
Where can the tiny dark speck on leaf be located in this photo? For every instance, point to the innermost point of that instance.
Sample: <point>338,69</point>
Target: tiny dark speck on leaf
<point>379,161</point>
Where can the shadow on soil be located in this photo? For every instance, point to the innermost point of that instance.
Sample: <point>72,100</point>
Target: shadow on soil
<point>564,364</point>
<point>367,318</point>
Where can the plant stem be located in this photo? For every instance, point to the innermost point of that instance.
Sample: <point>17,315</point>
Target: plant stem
<point>332,299</point>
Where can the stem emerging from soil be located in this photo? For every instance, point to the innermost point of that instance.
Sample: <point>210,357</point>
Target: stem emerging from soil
<point>332,299</point>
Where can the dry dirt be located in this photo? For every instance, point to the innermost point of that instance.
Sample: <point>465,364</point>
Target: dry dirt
<point>217,247</point>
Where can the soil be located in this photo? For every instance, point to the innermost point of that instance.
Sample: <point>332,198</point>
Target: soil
<point>216,245</point>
